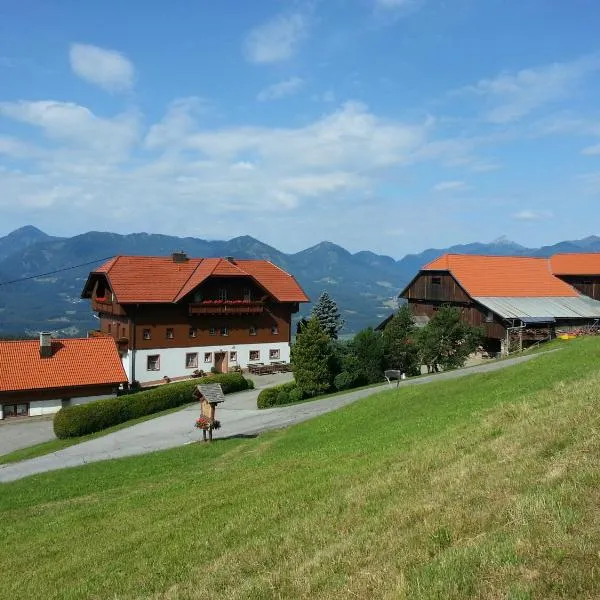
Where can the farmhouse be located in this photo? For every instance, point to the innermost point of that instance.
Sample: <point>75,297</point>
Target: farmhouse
<point>39,377</point>
<point>508,295</point>
<point>173,315</point>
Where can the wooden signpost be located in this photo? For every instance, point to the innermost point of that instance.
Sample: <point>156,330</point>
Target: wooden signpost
<point>210,395</point>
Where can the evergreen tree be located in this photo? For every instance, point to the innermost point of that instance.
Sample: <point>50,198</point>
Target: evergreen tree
<point>312,359</point>
<point>367,348</point>
<point>399,343</point>
<point>446,342</point>
<point>301,324</point>
<point>326,311</point>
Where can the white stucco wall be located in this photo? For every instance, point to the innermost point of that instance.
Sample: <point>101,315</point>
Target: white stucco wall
<point>38,408</point>
<point>172,360</point>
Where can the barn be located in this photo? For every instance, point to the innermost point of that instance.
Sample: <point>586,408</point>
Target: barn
<point>508,297</point>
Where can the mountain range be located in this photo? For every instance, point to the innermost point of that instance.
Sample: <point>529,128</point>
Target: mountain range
<point>364,284</point>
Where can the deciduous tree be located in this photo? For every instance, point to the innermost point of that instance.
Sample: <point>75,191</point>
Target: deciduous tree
<point>399,343</point>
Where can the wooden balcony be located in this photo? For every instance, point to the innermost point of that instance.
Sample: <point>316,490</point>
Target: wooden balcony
<point>105,305</point>
<point>226,307</point>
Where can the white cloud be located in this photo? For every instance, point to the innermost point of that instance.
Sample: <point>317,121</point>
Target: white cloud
<point>106,68</point>
<point>591,150</point>
<point>511,96</point>
<point>276,40</point>
<point>532,215</point>
<point>77,126</point>
<point>287,87</point>
<point>450,186</point>
<point>102,171</point>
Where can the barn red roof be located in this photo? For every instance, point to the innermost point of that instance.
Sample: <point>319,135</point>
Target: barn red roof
<point>576,264</point>
<point>75,362</point>
<point>145,279</point>
<point>502,276</point>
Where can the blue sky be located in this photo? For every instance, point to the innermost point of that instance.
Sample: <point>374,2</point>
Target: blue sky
<point>388,125</point>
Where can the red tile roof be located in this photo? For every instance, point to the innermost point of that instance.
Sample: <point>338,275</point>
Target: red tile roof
<point>146,279</point>
<point>74,362</point>
<point>502,276</point>
<point>576,264</point>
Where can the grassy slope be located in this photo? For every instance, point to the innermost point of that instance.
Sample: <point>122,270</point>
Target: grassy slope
<point>482,487</point>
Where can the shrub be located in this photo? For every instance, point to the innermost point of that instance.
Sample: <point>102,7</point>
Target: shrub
<point>285,393</point>
<point>73,421</point>
<point>346,380</point>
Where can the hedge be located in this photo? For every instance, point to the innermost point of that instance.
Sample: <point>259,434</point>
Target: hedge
<point>285,393</point>
<point>77,420</point>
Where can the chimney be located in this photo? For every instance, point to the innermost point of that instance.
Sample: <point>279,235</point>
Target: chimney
<point>179,257</point>
<point>45,344</point>
<point>230,259</point>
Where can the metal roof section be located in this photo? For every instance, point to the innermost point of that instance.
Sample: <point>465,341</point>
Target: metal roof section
<point>568,307</point>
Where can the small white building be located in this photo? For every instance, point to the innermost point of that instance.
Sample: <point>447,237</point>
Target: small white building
<point>39,377</point>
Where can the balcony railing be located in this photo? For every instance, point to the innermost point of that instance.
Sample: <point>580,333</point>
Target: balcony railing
<point>227,307</point>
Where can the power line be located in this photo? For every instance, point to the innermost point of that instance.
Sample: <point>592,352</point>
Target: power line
<point>56,271</point>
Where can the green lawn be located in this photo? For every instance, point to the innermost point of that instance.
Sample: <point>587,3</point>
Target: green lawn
<point>483,487</point>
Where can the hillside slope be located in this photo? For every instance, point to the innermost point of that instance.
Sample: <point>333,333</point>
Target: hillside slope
<point>450,490</point>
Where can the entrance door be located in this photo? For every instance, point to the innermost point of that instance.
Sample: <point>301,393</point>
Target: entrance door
<point>221,362</point>
<point>15,410</point>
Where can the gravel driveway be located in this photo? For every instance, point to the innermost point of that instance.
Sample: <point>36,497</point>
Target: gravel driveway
<point>238,416</point>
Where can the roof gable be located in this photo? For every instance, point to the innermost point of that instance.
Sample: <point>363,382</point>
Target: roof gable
<point>502,276</point>
<point>75,362</point>
<point>149,279</point>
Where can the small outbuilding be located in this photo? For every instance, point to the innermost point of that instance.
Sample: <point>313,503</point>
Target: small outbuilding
<point>39,377</point>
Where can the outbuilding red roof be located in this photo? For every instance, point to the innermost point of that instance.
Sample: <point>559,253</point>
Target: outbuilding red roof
<point>503,276</point>
<point>576,264</point>
<point>146,279</point>
<point>75,362</point>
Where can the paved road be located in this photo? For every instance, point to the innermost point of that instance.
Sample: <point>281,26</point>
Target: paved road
<point>238,415</point>
<point>24,432</point>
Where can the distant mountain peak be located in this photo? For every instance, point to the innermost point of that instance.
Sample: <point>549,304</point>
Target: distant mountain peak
<point>504,241</point>
<point>28,230</point>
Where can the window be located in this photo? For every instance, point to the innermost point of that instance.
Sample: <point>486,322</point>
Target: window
<point>197,296</point>
<point>274,354</point>
<point>252,329</point>
<point>192,332</point>
<point>274,330</point>
<point>225,331</point>
<point>208,357</point>
<point>15,410</point>
<point>191,360</point>
<point>222,294</point>
<point>147,334</point>
<point>254,354</point>
<point>124,331</point>
<point>436,280</point>
<point>170,333</point>
<point>247,294</point>
<point>212,331</point>
<point>153,362</point>
<point>489,317</point>
<point>233,356</point>
<point>109,328</point>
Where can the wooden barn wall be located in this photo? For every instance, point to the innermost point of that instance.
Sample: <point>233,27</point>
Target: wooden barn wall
<point>471,314</point>
<point>589,286</point>
<point>426,287</point>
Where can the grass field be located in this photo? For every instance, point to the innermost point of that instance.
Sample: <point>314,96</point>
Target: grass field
<point>484,487</point>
